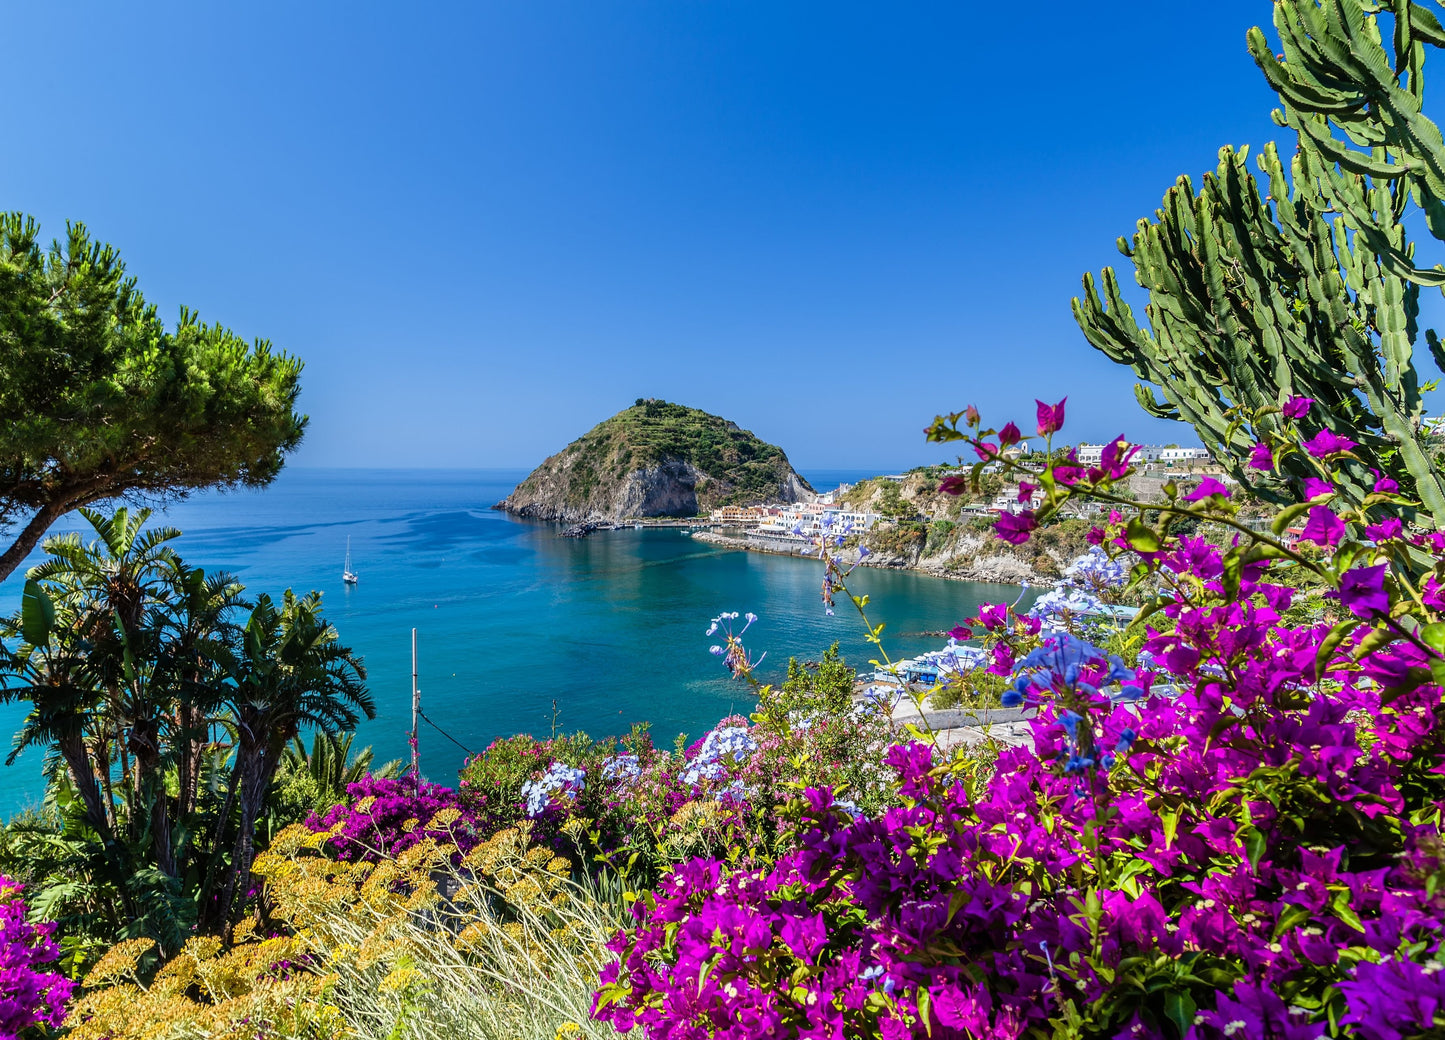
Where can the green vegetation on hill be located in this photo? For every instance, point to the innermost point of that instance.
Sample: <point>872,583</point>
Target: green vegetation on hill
<point>734,467</point>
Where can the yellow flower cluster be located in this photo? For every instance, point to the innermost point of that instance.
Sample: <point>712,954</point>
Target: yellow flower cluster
<point>428,944</point>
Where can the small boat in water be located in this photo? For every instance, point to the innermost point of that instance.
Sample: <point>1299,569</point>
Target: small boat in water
<point>347,574</point>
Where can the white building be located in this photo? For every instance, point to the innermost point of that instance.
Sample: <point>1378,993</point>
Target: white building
<point>1008,501</point>
<point>1182,454</point>
<point>811,519</point>
<point>1093,454</point>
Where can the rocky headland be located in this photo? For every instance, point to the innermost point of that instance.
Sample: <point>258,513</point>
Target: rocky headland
<point>656,459</point>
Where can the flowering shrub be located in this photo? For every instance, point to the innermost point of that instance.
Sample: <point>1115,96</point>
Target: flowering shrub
<point>559,782</point>
<point>1241,839</point>
<point>28,996</point>
<point>382,817</point>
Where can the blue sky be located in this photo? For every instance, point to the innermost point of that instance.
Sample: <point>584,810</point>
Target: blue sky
<point>486,227</point>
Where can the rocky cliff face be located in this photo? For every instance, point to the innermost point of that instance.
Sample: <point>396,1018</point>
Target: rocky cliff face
<point>656,459</point>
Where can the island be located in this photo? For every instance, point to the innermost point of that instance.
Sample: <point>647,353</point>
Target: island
<point>656,459</point>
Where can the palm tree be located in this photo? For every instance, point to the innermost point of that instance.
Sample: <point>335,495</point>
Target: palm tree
<point>114,587</point>
<point>332,765</point>
<point>290,672</point>
<point>50,668</point>
<point>198,628</point>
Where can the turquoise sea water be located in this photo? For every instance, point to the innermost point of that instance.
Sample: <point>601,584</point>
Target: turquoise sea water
<point>511,618</point>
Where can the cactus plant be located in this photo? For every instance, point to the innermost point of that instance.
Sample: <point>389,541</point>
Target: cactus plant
<point>1308,290</point>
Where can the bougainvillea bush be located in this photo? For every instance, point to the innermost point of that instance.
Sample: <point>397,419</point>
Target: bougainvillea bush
<point>1241,839</point>
<point>29,995</point>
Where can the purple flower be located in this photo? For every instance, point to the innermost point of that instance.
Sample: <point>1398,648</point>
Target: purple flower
<point>1386,530</point>
<point>1394,999</point>
<point>1050,417</point>
<point>956,484</point>
<point>1323,527</point>
<point>1362,591</point>
<point>1315,487</point>
<point>1207,488</point>
<point>1009,435</point>
<point>1326,443</point>
<point>1261,457</point>
<point>1297,407</point>
<point>1015,528</point>
<point>28,996</point>
<point>1257,1011</point>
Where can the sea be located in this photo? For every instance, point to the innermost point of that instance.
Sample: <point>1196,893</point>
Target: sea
<point>519,630</point>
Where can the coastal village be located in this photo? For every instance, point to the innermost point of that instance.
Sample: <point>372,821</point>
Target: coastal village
<point>795,526</point>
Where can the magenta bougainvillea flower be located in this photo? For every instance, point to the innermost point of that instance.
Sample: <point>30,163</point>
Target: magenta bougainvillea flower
<point>1050,417</point>
<point>1327,443</point>
<point>1362,591</point>
<point>1015,528</point>
<point>29,995</point>
<point>1207,487</point>
<point>1009,435</point>
<point>1323,527</point>
<point>1297,407</point>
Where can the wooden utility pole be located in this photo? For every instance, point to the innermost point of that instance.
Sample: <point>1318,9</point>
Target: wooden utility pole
<point>415,712</point>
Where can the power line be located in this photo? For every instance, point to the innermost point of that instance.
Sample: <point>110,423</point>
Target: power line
<point>444,733</point>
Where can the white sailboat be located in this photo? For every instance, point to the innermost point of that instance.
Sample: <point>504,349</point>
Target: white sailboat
<point>347,574</point>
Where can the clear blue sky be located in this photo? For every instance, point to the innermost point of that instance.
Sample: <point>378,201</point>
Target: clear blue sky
<point>485,227</point>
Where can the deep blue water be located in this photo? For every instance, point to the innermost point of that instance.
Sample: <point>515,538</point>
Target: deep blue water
<point>511,618</point>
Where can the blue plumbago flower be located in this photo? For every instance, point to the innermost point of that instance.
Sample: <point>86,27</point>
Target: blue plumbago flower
<point>1065,664</point>
<point>560,780</point>
<point>849,807</point>
<point>885,697</point>
<point>862,551</point>
<point>718,747</point>
<point>1062,658</point>
<point>621,769</point>
<point>1057,605</point>
<point>734,655</point>
<point>1097,571</point>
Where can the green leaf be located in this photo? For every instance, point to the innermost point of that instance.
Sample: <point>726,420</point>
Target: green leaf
<point>1141,536</point>
<point>1343,910</point>
<point>1286,516</point>
<point>1290,917</point>
<point>37,615</point>
<point>1332,642</point>
<point>1254,843</point>
<point>1180,1008</point>
<point>925,1010</point>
